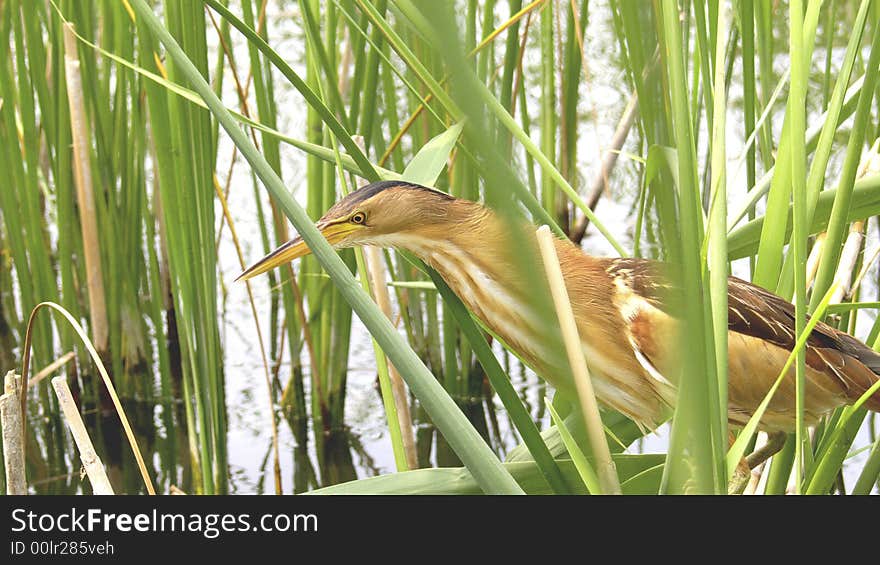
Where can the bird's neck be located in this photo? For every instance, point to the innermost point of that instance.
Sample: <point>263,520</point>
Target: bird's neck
<point>494,277</point>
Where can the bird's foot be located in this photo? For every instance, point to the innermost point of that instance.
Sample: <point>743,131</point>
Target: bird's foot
<point>743,473</point>
<point>741,477</point>
<point>775,442</point>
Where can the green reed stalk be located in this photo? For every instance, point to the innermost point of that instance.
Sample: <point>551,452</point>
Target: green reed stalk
<point>314,288</point>
<point>702,66</point>
<point>797,154</point>
<point>695,449</point>
<point>870,472</point>
<point>747,33</point>
<point>511,55</point>
<point>185,158</point>
<point>324,56</point>
<point>585,470</point>
<point>393,394</point>
<point>716,238</point>
<point>264,93</point>
<point>770,255</point>
<point>571,80</point>
<point>765,44</point>
<point>370,120</point>
<point>342,315</point>
<point>27,235</point>
<point>58,135</point>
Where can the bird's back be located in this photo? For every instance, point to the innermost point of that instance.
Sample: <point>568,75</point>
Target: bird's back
<point>840,368</point>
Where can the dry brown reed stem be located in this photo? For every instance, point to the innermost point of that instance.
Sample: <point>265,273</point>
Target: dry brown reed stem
<point>852,247</point>
<point>612,152</point>
<point>91,462</point>
<point>13,444</point>
<point>755,480</point>
<point>51,368</point>
<point>518,76</point>
<point>347,59</point>
<point>814,257</point>
<point>866,264</point>
<point>85,196</point>
<point>375,265</point>
<point>590,408</point>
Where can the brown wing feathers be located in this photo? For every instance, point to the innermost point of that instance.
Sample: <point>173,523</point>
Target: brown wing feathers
<point>758,313</point>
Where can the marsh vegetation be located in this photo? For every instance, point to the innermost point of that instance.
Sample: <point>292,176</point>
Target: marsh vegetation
<point>152,150</point>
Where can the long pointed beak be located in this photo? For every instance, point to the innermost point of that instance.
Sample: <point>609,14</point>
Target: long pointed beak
<point>294,249</point>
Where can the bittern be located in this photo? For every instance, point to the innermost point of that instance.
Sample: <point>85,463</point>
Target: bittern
<point>628,324</point>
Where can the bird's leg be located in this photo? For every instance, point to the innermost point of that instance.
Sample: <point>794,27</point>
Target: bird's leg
<point>775,442</point>
<point>742,474</point>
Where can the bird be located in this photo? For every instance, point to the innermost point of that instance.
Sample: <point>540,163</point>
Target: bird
<point>627,310</point>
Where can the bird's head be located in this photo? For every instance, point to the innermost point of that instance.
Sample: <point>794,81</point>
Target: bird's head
<point>385,214</point>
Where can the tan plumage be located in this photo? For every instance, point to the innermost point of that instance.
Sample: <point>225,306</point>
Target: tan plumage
<point>625,309</point>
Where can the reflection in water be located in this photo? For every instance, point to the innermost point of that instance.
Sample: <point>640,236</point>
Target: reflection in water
<point>160,430</point>
<point>337,465</point>
<point>304,478</point>
<point>54,465</point>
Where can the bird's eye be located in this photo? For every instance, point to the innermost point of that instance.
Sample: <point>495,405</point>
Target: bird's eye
<point>358,218</point>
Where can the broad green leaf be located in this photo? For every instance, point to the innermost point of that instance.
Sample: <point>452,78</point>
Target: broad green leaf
<point>639,474</point>
<point>428,163</point>
<point>621,432</point>
<point>661,157</point>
